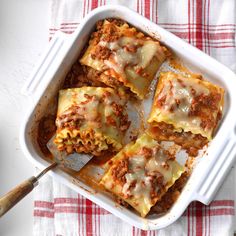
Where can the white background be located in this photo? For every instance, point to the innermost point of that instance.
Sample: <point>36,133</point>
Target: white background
<point>23,37</point>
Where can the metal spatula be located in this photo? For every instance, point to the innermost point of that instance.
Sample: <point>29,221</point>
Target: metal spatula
<point>73,161</point>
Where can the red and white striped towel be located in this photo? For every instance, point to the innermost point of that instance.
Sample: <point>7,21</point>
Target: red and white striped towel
<point>206,24</point>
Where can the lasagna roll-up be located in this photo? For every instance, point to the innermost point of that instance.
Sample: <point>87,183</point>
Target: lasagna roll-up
<point>91,120</point>
<point>124,56</point>
<point>141,173</point>
<point>187,104</point>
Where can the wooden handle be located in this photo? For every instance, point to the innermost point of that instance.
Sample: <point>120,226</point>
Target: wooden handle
<point>15,195</point>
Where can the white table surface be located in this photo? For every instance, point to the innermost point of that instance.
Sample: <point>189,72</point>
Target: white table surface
<point>23,37</point>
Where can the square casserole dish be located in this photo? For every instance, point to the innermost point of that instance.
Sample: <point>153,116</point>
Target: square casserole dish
<point>50,72</point>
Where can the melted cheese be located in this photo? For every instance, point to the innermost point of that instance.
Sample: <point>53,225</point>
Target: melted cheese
<point>159,163</point>
<point>87,118</point>
<point>121,57</point>
<point>181,90</point>
<point>133,60</point>
<point>173,101</point>
<point>143,184</point>
<point>146,162</point>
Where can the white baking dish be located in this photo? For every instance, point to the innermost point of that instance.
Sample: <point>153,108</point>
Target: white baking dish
<point>63,50</point>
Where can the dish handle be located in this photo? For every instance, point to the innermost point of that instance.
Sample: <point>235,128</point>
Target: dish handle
<point>210,185</point>
<point>47,65</point>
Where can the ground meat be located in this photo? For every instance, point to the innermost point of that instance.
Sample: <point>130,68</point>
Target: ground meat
<point>110,33</point>
<point>168,199</point>
<point>193,92</point>
<point>130,48</point>
<point>76,77</point>
<point>71,119</point>
<point>139,71</point>
<point>101,53</point>
<point>192,143</point>
<point>46,129</point>
<point>146,152</point>
<point>111,121</point>
<point>124,123</point>
<point>112,82</point>
<point>117,22</point>
<point>99,25</point>
<point>204,106</point>
<point>157,180</point>
<point>80,76</point>
<point>117,108</point>
<point>119,171</point>
<point>169,155</point>
<point>181,82</point>
<point>95,37</point>
<point>99,79</point>
<point>93,76</point>
<point>161,101</point>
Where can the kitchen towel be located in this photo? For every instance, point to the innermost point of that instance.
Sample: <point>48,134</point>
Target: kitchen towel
<point>210,26</point>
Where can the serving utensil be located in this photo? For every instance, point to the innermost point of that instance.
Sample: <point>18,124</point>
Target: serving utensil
<point>72,161</point>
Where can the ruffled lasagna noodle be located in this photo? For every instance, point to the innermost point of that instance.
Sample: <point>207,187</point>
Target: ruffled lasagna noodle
<point>124,56</point>
<point>91,120</point>
<point>189,106</point>
<point>141,173</point>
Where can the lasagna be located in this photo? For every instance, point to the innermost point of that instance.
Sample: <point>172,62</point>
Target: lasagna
<point>118,64</point>
<point>186,106</point>
<point>141,173</point>
<point>91,120</point>
<point>124,57</point>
